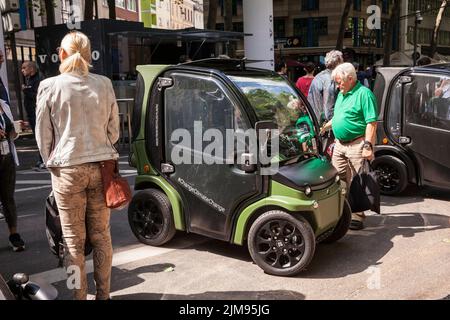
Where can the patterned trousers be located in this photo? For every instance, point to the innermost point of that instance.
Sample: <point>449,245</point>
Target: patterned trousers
<point>79,195</point>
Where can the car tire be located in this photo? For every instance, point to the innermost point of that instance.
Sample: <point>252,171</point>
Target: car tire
<point>392,174</point>
<point>281,244</point>
<point>150,217</point>
<point>342,226</point>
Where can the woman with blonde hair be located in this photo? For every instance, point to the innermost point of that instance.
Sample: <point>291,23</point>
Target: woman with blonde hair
<point>77,125</point>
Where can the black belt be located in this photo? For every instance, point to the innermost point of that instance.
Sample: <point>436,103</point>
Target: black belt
<point>350,141</point>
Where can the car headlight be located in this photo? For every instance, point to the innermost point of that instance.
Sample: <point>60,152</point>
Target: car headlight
<point>315,205</point>
<point>308,191</point>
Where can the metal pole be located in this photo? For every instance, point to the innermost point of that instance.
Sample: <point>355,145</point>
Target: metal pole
<point>17,75</point>
<point>415,43</point>
<point>416,23</point>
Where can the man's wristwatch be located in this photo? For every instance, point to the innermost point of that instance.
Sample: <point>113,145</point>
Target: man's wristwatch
<point>367,145</point>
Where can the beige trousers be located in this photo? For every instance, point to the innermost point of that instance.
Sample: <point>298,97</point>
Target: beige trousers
<point>347,159</point>
<point>82,208</point>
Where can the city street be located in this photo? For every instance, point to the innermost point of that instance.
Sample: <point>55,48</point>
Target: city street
<point>404,253</point>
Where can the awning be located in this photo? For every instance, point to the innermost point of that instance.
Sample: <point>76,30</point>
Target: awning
<point>184,35</point>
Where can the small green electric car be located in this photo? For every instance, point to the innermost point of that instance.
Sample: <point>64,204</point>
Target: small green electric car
<point>231,152</point>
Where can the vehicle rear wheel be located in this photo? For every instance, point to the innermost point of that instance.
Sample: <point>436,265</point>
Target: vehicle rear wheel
<point>392,173</point>
<point>150,217</point>
<point>280,243</point>
<point>342,226</point>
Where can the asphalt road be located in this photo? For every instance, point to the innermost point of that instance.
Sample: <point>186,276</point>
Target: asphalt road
<point>404,253</point>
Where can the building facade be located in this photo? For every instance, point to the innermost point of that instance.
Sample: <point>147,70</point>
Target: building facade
<point>172,14</point>
<point>307,29</point>
<point>429,9</point>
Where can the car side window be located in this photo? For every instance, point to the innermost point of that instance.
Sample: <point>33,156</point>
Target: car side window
<point>198,104</point>
<point>393,118</point>
<point>427,101</point>
<point>193,98</point>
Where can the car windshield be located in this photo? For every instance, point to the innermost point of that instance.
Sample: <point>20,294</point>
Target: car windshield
<point>273,99</point>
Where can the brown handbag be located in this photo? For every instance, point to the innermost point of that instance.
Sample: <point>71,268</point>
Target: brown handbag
<point>116,190</point>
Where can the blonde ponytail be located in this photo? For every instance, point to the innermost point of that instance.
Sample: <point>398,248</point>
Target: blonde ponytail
<point>78,47</point>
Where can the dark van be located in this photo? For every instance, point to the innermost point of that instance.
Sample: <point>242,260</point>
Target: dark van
<point>414,127</point>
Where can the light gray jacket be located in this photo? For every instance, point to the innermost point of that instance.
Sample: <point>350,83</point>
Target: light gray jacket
<point>77,120</point>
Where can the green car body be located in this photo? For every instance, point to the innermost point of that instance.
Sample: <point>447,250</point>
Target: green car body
<point>321,206</point>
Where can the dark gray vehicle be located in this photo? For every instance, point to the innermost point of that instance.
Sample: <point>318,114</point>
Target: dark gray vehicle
<point>414,127</point>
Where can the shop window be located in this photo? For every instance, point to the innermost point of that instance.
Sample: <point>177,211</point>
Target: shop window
<point>309,5</point>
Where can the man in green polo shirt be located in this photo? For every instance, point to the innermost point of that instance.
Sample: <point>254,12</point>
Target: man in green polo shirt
<point>354,126</point>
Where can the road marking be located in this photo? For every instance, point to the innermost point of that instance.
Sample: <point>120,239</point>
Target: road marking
<point>129,175</point>
<point>401,215</point>
<point>33,181</point>
<point>33,188</point>
<point>430,227</point>
<point>128,171</point>
<point>29,171</point>
<point>29,215</point>
<point>120,258</point>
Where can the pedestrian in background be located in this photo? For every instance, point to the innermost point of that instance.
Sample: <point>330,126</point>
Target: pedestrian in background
<point>323,91</point>
<point>30,88</point>
<point>362,75</point>
<point>281,68</point>
<point>4,97</point>
<point>77,126</point>
<point>184,59</point>
<point>354,126</point>
<point>3,92</point>
<point>8,162</point>
<point>303,83</point>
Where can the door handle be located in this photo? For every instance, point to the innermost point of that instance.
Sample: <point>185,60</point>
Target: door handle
<point>167,168</point>
<point>404,140</point>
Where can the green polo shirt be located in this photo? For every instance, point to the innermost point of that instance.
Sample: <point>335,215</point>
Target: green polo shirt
<point>353,111</point>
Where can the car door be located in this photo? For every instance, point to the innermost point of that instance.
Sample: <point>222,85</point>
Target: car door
<point>198,112</point>
<point>426,125</point>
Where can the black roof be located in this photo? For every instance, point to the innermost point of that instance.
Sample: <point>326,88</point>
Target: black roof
<point>435,67</point>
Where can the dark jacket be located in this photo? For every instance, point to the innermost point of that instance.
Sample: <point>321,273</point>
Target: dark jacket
<point>3,92</point>
<point>30,90</point>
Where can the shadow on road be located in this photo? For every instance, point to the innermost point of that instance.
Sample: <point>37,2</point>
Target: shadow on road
<point>359,250</point>
<point>353,254</point>
<point>216,295</point>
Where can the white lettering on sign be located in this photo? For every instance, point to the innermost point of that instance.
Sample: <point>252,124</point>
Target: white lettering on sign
<point>55,58</point>
<point>95,55</point>
<point>42,58</point>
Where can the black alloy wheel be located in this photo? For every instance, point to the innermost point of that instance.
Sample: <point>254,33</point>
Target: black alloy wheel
<point>150,217</point>
<point>280,243</point>
<point>392,174</point>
